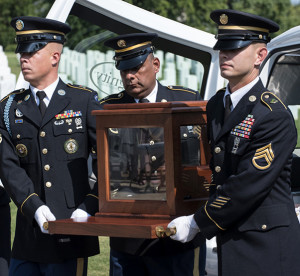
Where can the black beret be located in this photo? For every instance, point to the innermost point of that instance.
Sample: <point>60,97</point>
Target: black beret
<point>237,29</point>
<point>33,33</point>
<point>131,50</point>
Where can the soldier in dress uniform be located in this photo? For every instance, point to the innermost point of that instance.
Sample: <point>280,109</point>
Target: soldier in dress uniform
<point>47,133</point>
<point>252,135</point>
<point>138,68</point>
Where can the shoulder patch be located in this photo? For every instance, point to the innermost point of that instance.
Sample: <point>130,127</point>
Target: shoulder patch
<point>80,87</point>
<point>112,97</point>
<point>19,91</point>
<point>181,88</point>
<point>271,101</point>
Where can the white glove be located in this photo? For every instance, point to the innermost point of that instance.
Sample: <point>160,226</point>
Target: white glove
<point>186,228</point>
<point>42,215</point>
<point>297,210</point>
<point>79,213</point>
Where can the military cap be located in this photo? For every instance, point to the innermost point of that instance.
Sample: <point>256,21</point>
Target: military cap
<point>34,33</point>
<point>131,50</point>
<point>238,29</point>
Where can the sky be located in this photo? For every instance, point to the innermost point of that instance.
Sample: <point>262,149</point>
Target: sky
<point>295,2</point>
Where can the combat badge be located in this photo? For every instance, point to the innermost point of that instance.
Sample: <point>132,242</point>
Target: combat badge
<point>263,157</point>
<point>78,123</point>
<point>71,146</point>
<point>21,150</point>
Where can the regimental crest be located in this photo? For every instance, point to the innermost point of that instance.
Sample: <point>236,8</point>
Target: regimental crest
<point>223,19</point>
<point>263,157</point>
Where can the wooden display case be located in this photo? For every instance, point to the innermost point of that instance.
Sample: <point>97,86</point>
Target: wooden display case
<point>152,167</point>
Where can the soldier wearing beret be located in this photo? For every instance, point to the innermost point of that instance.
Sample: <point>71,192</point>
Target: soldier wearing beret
<point>47,133</point>
<point>252,135</point>
<point>138,68</point>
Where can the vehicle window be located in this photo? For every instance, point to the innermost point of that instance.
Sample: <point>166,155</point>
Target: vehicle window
<point>284,81</point>
<point>89,63</point>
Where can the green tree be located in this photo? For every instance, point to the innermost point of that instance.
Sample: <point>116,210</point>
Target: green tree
<point>13,8</point>
<point>196,13</point>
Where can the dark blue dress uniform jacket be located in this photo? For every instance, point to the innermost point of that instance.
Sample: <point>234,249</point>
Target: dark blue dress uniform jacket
<point>164,246</point>
<point>44,161</point>
<point>4,227</point>
<point>250,208</point>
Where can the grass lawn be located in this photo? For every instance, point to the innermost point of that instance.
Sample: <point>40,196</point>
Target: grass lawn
<point>98,265</point>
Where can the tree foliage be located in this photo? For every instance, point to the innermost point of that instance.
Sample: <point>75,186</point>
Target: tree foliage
<point>196,13</point>
<point>12,8</point>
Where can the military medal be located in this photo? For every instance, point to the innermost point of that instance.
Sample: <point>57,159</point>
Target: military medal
<point>21,150</point>
<point>71,146</point>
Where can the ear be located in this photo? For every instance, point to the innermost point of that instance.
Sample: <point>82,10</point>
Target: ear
<point>156,64</point>
<point>55,58</point>
<point>261,53</point>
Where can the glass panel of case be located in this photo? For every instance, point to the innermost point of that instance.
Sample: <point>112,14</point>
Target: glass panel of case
<point>137,161</point>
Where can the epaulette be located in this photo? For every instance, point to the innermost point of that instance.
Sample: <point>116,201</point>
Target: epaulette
<point>19,91</point>
<point>271,101</point>
<point>80,87</point>
<point>181,88</point>
<point>112,97</point>
<point>221,90</point>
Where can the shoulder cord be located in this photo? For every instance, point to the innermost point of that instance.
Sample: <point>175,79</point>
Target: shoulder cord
<point>6,112</point>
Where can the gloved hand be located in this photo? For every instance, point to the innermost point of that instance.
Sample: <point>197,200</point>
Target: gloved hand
<point>79,213</point>
<point>186,228</point>
<point>42,215</point>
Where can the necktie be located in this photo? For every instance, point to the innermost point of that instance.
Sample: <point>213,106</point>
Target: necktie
<point>228,104</point>
<point>143,101</point>
<point>42,106</point>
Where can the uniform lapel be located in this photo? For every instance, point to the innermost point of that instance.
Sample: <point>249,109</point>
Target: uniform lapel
<point>161,93</point>
<point>29,108</point>
<point>59,101</point>
<point>217,115</point>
